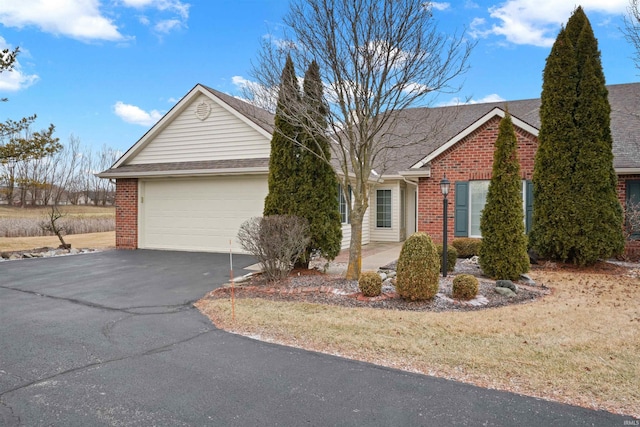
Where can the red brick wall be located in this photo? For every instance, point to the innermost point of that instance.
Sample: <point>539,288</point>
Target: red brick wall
<point>127,213</point>
<point>468,160</point>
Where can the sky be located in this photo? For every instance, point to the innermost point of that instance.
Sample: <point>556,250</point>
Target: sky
<point>105,71</point>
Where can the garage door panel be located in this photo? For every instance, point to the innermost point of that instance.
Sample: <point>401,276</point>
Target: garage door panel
<point>200,214</point>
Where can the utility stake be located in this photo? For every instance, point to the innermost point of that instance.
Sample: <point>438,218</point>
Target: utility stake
<point>233,299</point>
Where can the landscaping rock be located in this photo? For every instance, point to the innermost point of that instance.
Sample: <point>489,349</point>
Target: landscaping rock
<point>391,274</point>
<point>505,292</point>
<point>507,284</point>
<point>383,276</point>
<point>527,280</point>
<point>15,256</point>
<point>5,255</point>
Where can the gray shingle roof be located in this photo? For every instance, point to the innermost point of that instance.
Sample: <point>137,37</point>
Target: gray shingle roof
<point>420,131</point>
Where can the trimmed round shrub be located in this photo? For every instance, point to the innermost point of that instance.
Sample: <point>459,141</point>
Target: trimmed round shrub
<point>465,286</point>
<point>452,257</point>
<point>370,284</point>
<point>418,268</point>
<point>467,247</point>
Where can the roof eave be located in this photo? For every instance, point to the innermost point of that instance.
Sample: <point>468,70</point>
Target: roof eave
<point>184,173</point>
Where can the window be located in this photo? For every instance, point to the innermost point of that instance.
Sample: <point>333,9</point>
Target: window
<point>470,198</point>
<point>477,198</point>
<point>632,202</point>
<point>342,202</point>
<point>383,208</point>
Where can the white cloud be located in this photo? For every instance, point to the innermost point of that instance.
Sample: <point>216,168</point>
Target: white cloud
<point>440,6</point>
<point>494,97</point>
<point>16,79</point>
<point>179,13</point>
<point>136,115</point>
<point>256,94</point>
<point>79,19</point>
<point>537,22</point>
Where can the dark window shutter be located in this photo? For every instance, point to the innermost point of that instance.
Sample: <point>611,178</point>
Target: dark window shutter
<point>633,196</point>
<point>528,203</point>
<point>461,219</point>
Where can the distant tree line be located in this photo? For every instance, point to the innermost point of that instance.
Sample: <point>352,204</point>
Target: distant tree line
<point>58,174</point>
<point>36,169</point>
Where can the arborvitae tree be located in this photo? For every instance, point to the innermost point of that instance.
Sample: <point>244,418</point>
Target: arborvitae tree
<point>576,214</point>
<point>283,160</point>
<point>503,254</point>
<point>317,196</point>
<point>599,211</point>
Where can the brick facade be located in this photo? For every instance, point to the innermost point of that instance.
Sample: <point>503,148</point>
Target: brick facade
<point>470,159</point>
<point>127,213</point>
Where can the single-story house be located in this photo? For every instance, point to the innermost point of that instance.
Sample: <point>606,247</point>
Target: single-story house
<point>197,174</point>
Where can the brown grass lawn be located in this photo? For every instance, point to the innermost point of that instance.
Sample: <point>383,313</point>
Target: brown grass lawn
<point>579,345</point>
<point>41,211</point>
<point>106,240</point>
<point>101,240</point>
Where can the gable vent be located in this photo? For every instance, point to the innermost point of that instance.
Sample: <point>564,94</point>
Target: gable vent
<point>203,110</point>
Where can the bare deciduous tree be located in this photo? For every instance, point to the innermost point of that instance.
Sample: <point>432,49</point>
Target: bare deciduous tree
<point>632,28</point>
<point>376,58</point>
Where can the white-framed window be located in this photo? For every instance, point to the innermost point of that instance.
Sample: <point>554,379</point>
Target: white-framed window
<point>383,208</point>
<point>478,198</point>
<point>342,203</point>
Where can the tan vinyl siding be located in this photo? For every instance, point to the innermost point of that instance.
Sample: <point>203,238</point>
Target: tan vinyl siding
<point>386,234</point>
<point>220,136</point>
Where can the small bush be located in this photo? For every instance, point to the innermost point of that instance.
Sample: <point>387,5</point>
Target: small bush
<point>465,286</point>
<point>370,284</point>
<point>418,268</point>
<point>467,247</point>
<point>452,257</point>
<point>277,241</point>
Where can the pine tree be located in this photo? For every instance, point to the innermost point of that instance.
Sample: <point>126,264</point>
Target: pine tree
<point>577,216</point>
<point>318,193</point>
<point>503,254</point>
<point>283,160</point>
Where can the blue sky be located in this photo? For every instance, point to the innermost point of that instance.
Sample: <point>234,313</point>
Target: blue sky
<point>106,70</point>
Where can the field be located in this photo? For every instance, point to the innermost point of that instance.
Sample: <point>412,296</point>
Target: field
<point>580,345</point>
<point>84,227</point>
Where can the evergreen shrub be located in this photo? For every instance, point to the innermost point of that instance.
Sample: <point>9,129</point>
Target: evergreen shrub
<point>370,284</point>
<point>467,247</point>
<point>465,287</point>
<point>452,257</point>
<point>418,268</point>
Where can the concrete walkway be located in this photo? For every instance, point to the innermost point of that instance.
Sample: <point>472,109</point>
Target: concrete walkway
<point>374,256</point>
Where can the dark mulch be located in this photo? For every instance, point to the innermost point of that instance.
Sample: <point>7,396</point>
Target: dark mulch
<point>314,286</point>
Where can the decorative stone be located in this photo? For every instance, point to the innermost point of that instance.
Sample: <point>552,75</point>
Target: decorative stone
<point>383,276</point>
<point>527,280</point>
<point>27,255</point>
<point>74,251</point>
<point>507,284</point>
<point>15,256</point>
<point>505,292</point>
<point>5,255</point>
<point>391,274</point>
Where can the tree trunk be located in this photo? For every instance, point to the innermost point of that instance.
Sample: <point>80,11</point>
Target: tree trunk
<point>355,248</point>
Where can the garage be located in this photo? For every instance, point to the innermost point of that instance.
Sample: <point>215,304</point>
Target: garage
<point>197,214</point>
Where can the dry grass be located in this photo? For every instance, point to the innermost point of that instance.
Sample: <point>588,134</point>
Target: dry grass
<point>580,345</point>
<point>90,240</point>
<point>18,222</point>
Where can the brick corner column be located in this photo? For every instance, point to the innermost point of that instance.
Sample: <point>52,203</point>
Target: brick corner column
<point>127,213</point>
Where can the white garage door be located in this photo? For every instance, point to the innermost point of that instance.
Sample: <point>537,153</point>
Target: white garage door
<point>198,214</point>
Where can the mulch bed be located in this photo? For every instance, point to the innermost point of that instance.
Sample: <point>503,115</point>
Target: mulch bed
<point>314,286</point>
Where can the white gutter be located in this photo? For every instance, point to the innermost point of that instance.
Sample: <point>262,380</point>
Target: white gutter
<point>188,172</point>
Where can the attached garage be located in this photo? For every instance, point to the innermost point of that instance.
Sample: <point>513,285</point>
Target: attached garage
<point>197,214</point>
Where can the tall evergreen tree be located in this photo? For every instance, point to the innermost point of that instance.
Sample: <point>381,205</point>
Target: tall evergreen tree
<point>503,254</point>
<point>576,216</point>
<point>318,194</point>
<point>283,160</point>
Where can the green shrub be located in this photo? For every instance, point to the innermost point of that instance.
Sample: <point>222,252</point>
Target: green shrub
<point>467,247</point>
<point>418,268</point>
<point>452,257</point>
<point>465,286</point>
<point>370,284</point>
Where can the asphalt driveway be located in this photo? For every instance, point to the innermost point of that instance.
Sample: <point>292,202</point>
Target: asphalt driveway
<point>111,338</point>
